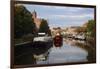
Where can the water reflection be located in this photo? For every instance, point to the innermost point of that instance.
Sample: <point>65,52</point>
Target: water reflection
<point>73,42</point>
<point>65,54</point>
<point>31,53</point>
<point>83,44</point>
<point>48,53</point>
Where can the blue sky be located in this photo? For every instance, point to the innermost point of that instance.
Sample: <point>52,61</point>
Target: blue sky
<point>58,16</point>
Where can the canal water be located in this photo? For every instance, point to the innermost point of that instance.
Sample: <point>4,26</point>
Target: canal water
<point>68,52</point>
<point>46,53</point>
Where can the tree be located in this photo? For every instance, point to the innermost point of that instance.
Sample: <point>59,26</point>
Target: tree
<point>23,23</point>
<point>80,30</point>
<point>91,28</point>
<point>44,27</point>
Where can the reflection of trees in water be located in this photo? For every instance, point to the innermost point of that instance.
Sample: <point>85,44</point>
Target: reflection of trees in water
<point>24,54</point>
<point>89,47</point>
<point>91,51</point>
<point>41,51</point>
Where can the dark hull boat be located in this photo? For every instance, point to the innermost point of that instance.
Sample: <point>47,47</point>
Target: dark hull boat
<point>58,41</point>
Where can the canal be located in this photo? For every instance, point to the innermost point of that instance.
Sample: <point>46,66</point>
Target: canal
<point>69,51</point>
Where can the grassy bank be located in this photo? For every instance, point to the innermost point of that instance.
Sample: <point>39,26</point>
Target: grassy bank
<point>25,38</point>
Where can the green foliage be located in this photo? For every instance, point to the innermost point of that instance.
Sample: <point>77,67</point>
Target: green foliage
<point>80,30</point>
<point>23,23</point>
<point>44,27</point>
<point>91,28</point>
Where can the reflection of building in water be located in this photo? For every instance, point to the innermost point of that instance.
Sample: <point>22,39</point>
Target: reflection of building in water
<point>37,21</point>
<point>73,42</point>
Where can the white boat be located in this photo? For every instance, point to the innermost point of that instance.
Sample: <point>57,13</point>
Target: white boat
<point>42,37</point>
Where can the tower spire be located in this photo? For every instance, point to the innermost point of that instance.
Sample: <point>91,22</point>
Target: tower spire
<point>34,14</point>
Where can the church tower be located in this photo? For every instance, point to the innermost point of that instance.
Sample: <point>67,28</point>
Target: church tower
<point>34,15</point>
<point>37,20</point>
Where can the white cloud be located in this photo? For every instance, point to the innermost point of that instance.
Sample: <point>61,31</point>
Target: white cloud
<point>65,7</point>
<point>71,16</point>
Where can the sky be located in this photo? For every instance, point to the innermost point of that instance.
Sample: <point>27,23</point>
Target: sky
<point>62,16</point>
